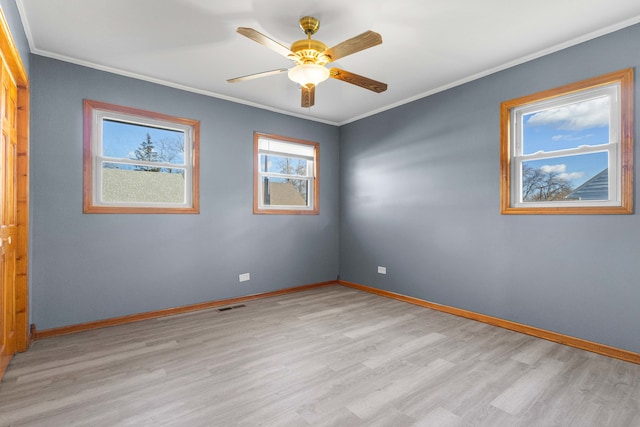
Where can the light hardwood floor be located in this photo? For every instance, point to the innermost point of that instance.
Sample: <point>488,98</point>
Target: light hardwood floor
<point>331,356</point>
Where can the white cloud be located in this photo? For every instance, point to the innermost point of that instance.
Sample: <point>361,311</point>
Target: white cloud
<point>561,171</point>
<point>553,168</point>
<point>577,116</point>
<point>570,176</point>
<point>570,137</point>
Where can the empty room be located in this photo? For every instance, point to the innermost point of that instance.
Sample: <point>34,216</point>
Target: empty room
<point>296,213</point>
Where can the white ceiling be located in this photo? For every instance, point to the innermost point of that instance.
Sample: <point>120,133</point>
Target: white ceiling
<point>428,45</point>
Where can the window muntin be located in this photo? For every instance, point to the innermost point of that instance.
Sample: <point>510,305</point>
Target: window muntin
<point>139,162</point>
<point>566,150</point>
<point>286,180</point>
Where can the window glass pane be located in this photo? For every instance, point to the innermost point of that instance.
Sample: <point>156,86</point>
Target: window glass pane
<point>285,192</point>
<point>284,165</point>
<point>122,140</point>
<point>129,183</point>
<point>579,177</point>
<point>567,126</point>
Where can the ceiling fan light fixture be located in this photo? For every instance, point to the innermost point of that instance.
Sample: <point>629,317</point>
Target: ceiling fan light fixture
<point>305,74</point>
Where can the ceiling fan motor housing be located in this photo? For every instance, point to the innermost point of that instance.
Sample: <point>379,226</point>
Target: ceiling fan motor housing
<point>309,52</point>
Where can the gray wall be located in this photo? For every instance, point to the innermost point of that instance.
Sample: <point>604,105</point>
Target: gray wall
<point>420,195</point>
<point>89,267</point>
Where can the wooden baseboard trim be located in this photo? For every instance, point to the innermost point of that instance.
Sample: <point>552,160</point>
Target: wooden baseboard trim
<point>591,346</point>
<point>71,329</point>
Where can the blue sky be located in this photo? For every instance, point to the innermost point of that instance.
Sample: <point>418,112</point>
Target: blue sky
<point>120,140</point>
<point>279,164</point>
<point>566,127</point>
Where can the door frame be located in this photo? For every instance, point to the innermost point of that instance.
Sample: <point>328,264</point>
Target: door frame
<point>16,68</point>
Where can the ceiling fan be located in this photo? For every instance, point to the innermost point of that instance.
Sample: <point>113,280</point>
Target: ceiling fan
<point>311,56</point>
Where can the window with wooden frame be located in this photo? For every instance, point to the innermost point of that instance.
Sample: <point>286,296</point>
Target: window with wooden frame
<point>286,177</point>
<point>137,161</point>
<point>569,150</point>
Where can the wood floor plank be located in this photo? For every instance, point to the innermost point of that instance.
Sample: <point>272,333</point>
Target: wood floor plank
<point>330,356</point>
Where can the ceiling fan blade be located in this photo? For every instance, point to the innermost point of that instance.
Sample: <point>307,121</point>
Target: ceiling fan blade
<point>308,95</point>
<point>257,75</point>
<point>357,80</point>
<point>265,41</point>
<point>356,44</point>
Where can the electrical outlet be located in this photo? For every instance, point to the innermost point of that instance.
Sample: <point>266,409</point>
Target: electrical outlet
<point>382,270</point>
<point>244,277</point>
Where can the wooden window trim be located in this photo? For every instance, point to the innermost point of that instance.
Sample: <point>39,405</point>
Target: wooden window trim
<point>88,181</point>
<point>625,79</point>
<point>256,173</point>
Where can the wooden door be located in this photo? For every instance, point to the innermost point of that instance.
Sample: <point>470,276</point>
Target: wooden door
<point>8,216</point>
<point>15,334</point>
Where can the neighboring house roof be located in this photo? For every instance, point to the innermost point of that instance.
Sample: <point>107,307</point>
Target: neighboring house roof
<point>597,188</point>
<point>285,194</point>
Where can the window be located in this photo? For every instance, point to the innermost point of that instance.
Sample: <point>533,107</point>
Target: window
<point>569,150</point>
<point>137,161</point>
<point>285,175</point>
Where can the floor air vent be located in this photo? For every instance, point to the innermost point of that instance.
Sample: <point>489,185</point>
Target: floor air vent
<point>231,307</point>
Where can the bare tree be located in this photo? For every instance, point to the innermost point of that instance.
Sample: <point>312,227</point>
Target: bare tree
<point>169,149</point>
<point>541,186</point>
